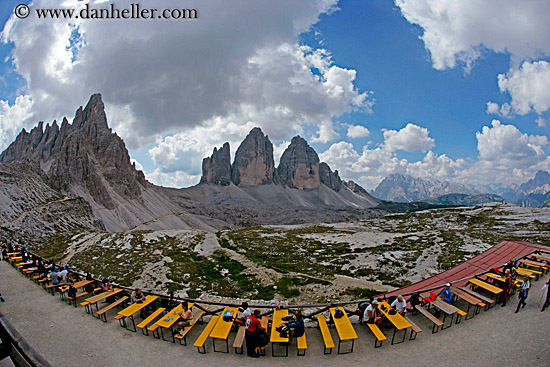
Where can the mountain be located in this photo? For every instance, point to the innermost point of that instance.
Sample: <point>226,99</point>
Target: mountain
<point>405,188</point>
<point>534,192</point>
<point>85,168</point>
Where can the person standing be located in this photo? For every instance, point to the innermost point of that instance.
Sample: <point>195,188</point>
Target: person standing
<point>547,302</point>
<point>250,334</point>
<point>523,293</point>
<point>507,287</point>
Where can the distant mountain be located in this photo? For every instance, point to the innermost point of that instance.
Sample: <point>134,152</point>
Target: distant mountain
<point>465,199</point>
<point>406,188</point>
<point>534,192</point>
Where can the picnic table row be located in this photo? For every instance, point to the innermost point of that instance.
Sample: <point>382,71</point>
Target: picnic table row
<point>218,328</point>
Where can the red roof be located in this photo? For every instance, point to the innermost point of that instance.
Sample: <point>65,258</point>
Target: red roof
<point>496,256</point>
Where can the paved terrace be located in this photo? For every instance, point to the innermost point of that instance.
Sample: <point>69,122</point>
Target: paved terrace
<point>67,336</point>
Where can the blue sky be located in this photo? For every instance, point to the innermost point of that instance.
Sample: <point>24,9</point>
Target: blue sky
<point>439,89</point>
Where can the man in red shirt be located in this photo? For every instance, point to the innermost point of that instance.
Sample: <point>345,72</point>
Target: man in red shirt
<point>251,333</point>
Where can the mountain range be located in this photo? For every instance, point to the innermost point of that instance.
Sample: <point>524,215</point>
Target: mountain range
<point>86,167</point>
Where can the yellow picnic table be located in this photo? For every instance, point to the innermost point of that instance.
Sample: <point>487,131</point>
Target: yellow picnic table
<point>63,290</point>
<point>275,337</point>
<point>398,321</point>
<point>20,265</point>
<point>223,327</point>
<point>448,309</point>
<point>15,258</point>
<point>470,299</point>
<point>526,272</point>
<point>536,256</point>
<point>132,309</point>
<point>345,330</point>
<point>88,302</point>
<point>168,320</point>
<point>534,264</point>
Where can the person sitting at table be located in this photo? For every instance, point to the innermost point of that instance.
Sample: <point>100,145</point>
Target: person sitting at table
<point>105,285</point>
<point>296,327</point>
<point>399,305</point>
<point>241,320</point>
<point>186,314</point>
<point>446,294</point>
<point>415,300</point>
<point>54,276</point>
<point>372,314</point>
<point>71,293</point>
<point>137,296</point>
<point>89,287</point>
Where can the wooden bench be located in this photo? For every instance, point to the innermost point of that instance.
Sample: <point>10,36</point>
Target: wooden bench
<point>101,314</point>
<point>196,317</point>
<point>461,314</point>
<point>143,325</point>
<point>239,340</point>
<point>379,335</point>
<point>414,329</point>
<point>75,298</point>
<point>302,344</point>
<point>437,322</point>
<point>199,343</point>
<point>325,332</point>
<point>488,302</point>
<point>52,287</point>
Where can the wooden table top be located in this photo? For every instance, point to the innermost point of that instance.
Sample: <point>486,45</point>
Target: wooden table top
<point>222,328</point>
<point>343,325</point>
<point>277,320</point>
<point>397,320</point>
<point>135,307</point>
<point>170,318</point>
<point>102,296</point>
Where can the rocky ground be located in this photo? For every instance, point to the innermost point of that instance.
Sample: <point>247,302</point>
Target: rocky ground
<point>298,264</point>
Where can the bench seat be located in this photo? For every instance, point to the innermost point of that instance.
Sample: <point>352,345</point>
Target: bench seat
<point>380,337</point>
<point>143,325</point>
<point>414,328</point>
<point>301,344</point>
<point>75,298</point>
<point>325,332</point>
<point>437,322</point>
<point>102,313</point>
<point>199,343</point>
<point>239,340</point>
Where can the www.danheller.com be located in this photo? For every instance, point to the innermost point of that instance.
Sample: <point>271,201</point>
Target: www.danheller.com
<point>134,11</point>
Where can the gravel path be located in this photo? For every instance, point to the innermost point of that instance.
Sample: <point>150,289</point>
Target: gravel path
<point>67,336</point>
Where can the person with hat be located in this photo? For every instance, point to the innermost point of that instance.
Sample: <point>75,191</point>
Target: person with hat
<point>372,314</point>
<point>446,294</point>
<point>400,305</point>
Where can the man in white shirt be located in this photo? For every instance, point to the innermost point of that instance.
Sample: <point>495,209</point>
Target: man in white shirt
<point>399,305</point>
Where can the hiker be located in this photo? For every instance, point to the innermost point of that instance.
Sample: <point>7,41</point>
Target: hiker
<point>547,302</point>
<point>523,293</point>
<point>296,327</point>
<point>399,305</point>
<point>186,314</point>
<point>63,275</point>
<point>446,294</point>
<point>245,313</point>
<point>54,276</point>
<point>372,314</point>
<point>507,287</point>
<point>137,296</point>
<point>414,300</point>
<point>250,334</point>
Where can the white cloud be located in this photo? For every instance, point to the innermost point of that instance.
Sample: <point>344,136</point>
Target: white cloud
<point>14,118</point>
<point>184,82</point>
<point>504,147</point>
<point>529,87</point>
<point>492,107</point>
<point>459,31</point>
<point>326,133</point>
<point>357,131</point>
<point>176,179</point>
<point>409,139</point>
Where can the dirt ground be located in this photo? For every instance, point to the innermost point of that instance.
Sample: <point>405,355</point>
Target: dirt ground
<point>67,336</point>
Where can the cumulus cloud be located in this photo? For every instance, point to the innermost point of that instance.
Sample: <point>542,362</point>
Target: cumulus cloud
<point>529,87</point>
<point>357,131</point>
<point>504,147</point>
<point>177,82</point>
<point>541,122</point>
<point>459,31</point>
<point>409,139</point>
<point>14,118</point>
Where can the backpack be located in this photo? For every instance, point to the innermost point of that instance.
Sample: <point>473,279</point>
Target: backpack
<point>363,306</point>
<point>263,338</point>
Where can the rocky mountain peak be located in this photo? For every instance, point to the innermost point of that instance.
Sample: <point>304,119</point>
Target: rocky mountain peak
<point>253,164</point>
<point>299,165</point>
<point>216,169</point>
<point>84,154</point>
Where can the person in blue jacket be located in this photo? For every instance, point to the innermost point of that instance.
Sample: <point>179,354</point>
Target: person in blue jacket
<point>297,326</point>
<point>447,294</point>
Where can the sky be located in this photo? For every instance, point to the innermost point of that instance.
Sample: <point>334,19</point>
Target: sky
<point>438,89</point>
